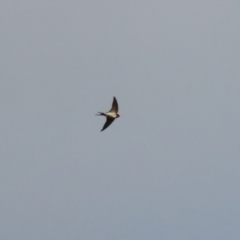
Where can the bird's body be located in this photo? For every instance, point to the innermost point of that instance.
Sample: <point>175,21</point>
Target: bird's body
<point>111,115</point>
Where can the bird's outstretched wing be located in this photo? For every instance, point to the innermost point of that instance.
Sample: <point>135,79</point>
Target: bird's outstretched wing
<point>107,123</point>
<point>114,106</point>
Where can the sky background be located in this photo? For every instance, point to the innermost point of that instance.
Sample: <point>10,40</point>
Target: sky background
<point>168,168</point>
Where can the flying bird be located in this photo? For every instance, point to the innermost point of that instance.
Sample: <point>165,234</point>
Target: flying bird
<point>111,114</point>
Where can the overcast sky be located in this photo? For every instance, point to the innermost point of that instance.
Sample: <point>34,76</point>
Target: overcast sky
<point>168,168</point>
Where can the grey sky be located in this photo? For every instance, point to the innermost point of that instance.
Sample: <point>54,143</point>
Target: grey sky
<point>168,168</point>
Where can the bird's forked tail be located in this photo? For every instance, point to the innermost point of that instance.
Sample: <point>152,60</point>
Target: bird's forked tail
<point>100,114</point>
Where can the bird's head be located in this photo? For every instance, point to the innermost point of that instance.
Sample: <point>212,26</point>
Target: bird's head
<point>118,115</point>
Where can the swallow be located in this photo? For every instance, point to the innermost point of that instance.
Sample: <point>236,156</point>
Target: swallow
<point>111,115</point>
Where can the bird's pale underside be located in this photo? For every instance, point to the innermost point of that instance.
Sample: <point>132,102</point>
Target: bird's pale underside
<point>111,115</point>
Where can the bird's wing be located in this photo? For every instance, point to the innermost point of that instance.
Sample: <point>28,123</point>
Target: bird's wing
<point>114,106</point>
<point>107,123</point>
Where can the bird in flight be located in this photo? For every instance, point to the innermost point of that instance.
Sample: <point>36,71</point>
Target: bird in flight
<point>111,114</point>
